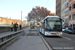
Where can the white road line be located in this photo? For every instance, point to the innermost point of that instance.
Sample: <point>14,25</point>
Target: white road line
<point>45,42</point>
<point>66,38</point>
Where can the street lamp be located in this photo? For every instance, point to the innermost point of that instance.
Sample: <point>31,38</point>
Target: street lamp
<point>21,18</point>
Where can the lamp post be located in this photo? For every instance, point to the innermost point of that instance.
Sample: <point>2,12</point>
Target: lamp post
<point>21,18</point>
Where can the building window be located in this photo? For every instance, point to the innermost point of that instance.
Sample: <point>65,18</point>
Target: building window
<point>74,5</point>
<point>70,0</point>
<point>70,17</point>
<point>70,8</point>
<point>67,4</point>
<point>70,25</point>
<point>74,16</point>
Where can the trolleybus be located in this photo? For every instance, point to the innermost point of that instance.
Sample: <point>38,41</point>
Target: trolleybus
<point>51,26</point>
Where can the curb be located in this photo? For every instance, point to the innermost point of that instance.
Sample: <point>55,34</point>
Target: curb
<point>46,44</point>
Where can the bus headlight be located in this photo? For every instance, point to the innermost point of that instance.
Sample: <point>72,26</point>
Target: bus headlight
<point>60,32</point>
<point>46,32</point>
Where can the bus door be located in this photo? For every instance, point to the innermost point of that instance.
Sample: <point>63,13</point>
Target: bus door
<point>43,27</point>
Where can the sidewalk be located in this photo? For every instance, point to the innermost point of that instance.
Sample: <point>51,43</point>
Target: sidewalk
<point>8,33</point>
<point>30,42</point>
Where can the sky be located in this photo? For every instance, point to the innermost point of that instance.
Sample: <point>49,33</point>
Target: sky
<point>12,8</point>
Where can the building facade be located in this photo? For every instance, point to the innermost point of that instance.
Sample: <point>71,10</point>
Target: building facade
<point>65,11</point>
<point>58,8</point>
<point>72,12</point>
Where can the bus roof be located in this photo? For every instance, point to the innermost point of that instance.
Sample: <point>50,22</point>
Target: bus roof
<point>50,17</point>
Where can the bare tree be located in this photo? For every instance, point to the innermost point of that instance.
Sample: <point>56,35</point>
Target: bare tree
<point>38,13</point>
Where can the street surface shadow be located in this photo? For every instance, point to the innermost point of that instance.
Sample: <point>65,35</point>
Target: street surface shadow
<point>51,36</point>
<point>71,33</point>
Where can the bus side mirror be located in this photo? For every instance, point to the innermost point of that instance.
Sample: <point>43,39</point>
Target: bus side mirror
<point>45,26</point>
<point>62,20</point>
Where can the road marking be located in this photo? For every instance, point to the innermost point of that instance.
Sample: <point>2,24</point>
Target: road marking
<point>66,38</point>
<point>45,42</point>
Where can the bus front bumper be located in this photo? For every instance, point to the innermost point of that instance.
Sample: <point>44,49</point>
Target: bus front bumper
<point>53,34</point>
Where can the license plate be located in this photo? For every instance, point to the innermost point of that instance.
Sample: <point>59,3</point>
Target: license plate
<point>53,33</point>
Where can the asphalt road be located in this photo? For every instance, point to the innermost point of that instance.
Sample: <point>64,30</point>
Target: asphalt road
<point>65,42</point>
<point>30,41</point>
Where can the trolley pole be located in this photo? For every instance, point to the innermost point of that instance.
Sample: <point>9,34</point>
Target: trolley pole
<point>21,18</point>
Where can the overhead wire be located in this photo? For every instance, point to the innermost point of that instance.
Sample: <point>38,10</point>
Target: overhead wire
<point>47,3</point>
<point>50,3</point>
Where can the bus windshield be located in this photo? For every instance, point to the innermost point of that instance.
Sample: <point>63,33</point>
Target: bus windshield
<point>54,24</point>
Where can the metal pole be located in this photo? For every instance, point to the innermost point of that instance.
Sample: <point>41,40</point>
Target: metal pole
<point>21,18</point>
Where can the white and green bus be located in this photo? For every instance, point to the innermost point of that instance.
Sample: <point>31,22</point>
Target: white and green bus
<point>51,26</point>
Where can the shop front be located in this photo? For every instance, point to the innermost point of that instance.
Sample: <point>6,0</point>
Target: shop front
<point>72,23</point>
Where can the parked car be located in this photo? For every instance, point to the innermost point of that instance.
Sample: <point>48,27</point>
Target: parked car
<point>69,30</point>
<point>63,29</point>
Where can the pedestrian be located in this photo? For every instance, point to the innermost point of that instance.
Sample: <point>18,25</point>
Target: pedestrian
<point>15,26</point>
<point>20,27</point>
<point>74,27</point>
<point>12,25</point>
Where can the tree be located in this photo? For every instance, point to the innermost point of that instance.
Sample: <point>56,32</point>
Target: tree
<point>38,13</point>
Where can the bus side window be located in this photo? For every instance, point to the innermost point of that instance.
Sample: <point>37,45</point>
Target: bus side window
<point>43,25</point>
